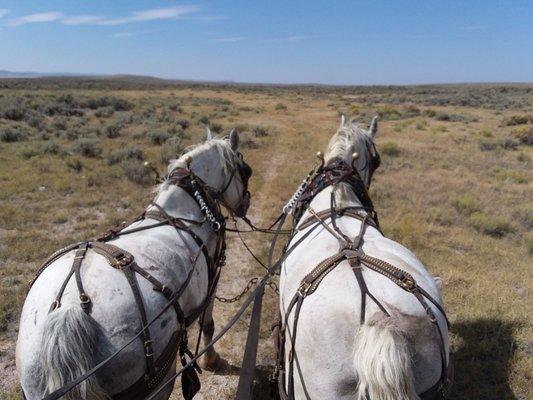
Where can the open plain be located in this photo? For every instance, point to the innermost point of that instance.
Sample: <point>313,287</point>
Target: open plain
<point>455,186</point>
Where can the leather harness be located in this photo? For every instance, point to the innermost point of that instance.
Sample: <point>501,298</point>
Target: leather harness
<point>157,369</point>
<point>335,172</point>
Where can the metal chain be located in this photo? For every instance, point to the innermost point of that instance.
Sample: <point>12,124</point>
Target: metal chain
<point>246,289</point>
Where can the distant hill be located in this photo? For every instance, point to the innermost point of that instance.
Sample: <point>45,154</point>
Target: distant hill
<point>30,74</point>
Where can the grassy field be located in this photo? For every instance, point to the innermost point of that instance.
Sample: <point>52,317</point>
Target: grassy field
<point>454,186</point>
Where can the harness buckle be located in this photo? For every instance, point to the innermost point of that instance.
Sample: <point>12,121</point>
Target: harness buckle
<point>408,284</point>
<point>148,349</point>
<point>122,260</point>
<point>304,288</point>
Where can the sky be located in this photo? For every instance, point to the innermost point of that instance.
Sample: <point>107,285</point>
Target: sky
<point>270,41</point>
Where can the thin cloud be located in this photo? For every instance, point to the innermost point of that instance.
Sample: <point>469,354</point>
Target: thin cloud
<point>122,35</point>
<point>34,18</point>
<point>3,12</point>
<point>230,39</point>
<point>473,28</point>
<point>210,18</point>
<point>88,19</point>
<point>289,39</point>
<point>82,20</point>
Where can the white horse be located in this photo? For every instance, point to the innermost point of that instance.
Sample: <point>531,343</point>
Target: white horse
<point>54,348</point>
<point>335,357</point>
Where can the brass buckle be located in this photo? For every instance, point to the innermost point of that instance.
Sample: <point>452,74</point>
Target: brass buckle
<point>122,260</point>
<point>148,349</point>
<point>408,284</point>
<point>304,288</point>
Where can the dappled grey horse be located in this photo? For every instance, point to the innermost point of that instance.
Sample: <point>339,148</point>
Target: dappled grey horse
<point>362,317</point>
<point>66,330</point>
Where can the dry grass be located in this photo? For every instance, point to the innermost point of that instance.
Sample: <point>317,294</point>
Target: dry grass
<point>462,206</point>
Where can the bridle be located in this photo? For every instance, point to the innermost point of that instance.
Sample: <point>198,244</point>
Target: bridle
<point>245,173</point>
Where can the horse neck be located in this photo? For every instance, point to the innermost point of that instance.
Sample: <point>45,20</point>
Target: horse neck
<point>176,202</point>
<point>344,197</point>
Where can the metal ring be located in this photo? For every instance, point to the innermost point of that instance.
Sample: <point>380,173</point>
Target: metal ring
<point>84,298</point>
<point>215,225</point>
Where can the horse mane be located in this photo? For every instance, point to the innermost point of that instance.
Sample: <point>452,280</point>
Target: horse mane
<point>227,157</point>
<point>348,138</point>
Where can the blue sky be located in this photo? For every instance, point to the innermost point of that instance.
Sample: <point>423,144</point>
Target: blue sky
<point>338,42</point>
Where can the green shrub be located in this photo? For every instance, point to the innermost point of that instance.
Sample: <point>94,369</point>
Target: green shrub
<point>390,149</point>
<point>104,112</point>
<point>280,106</point>
<point>131,153</point>
<point>75,164</point>
<point>215,127</point>
<point>524,134</point>
<point>467,204</point>
<point>113,131</point>
<point>522,157</point>
<point>204,120</point>
<point>60,123</point>
<point>15,113</point>
<point>158,138</point>
<point>488,145</point>
<point>485,133</point>
<point>510,175</point>
<point>171,149</point>
<point>260,131</point>
<point>87,147</point>
<point>523,213</point>
<point>136,172</point>
<point>184,123</point>
<point>491,225</point>
<point>517,120</point>
<point>10,135</point>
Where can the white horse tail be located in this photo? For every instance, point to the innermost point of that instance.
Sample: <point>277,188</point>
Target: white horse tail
<point>69,348</point>
<point>383,362</point>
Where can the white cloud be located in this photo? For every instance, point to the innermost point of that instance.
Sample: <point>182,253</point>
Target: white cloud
<point>33,18</point>
<point>88,19</point>
<point>122,34</point>
<point>163,13</point>
<point>82,19</point>
<point>230,39</point>
<point>3,12</point>
<point>473,28</point>
<point>289,39</point>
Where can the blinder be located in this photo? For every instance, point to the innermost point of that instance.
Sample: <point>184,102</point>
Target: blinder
<point>245,173</point>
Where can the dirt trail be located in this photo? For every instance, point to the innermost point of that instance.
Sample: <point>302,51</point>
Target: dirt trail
<point>222,384</point>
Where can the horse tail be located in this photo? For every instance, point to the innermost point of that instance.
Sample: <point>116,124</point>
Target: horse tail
<point>382,362</point>
<point>69,348</point>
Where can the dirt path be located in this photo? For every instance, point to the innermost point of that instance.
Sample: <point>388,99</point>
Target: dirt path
<point>222,384</point>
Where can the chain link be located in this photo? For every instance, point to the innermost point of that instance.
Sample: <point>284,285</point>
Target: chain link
<point>246,289</point>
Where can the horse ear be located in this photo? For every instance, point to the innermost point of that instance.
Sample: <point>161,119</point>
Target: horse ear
<point>234,139</point>
<point>438,281</point>
<point>343,119</point>
<point>373,130</point>
<point>208,134</point>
